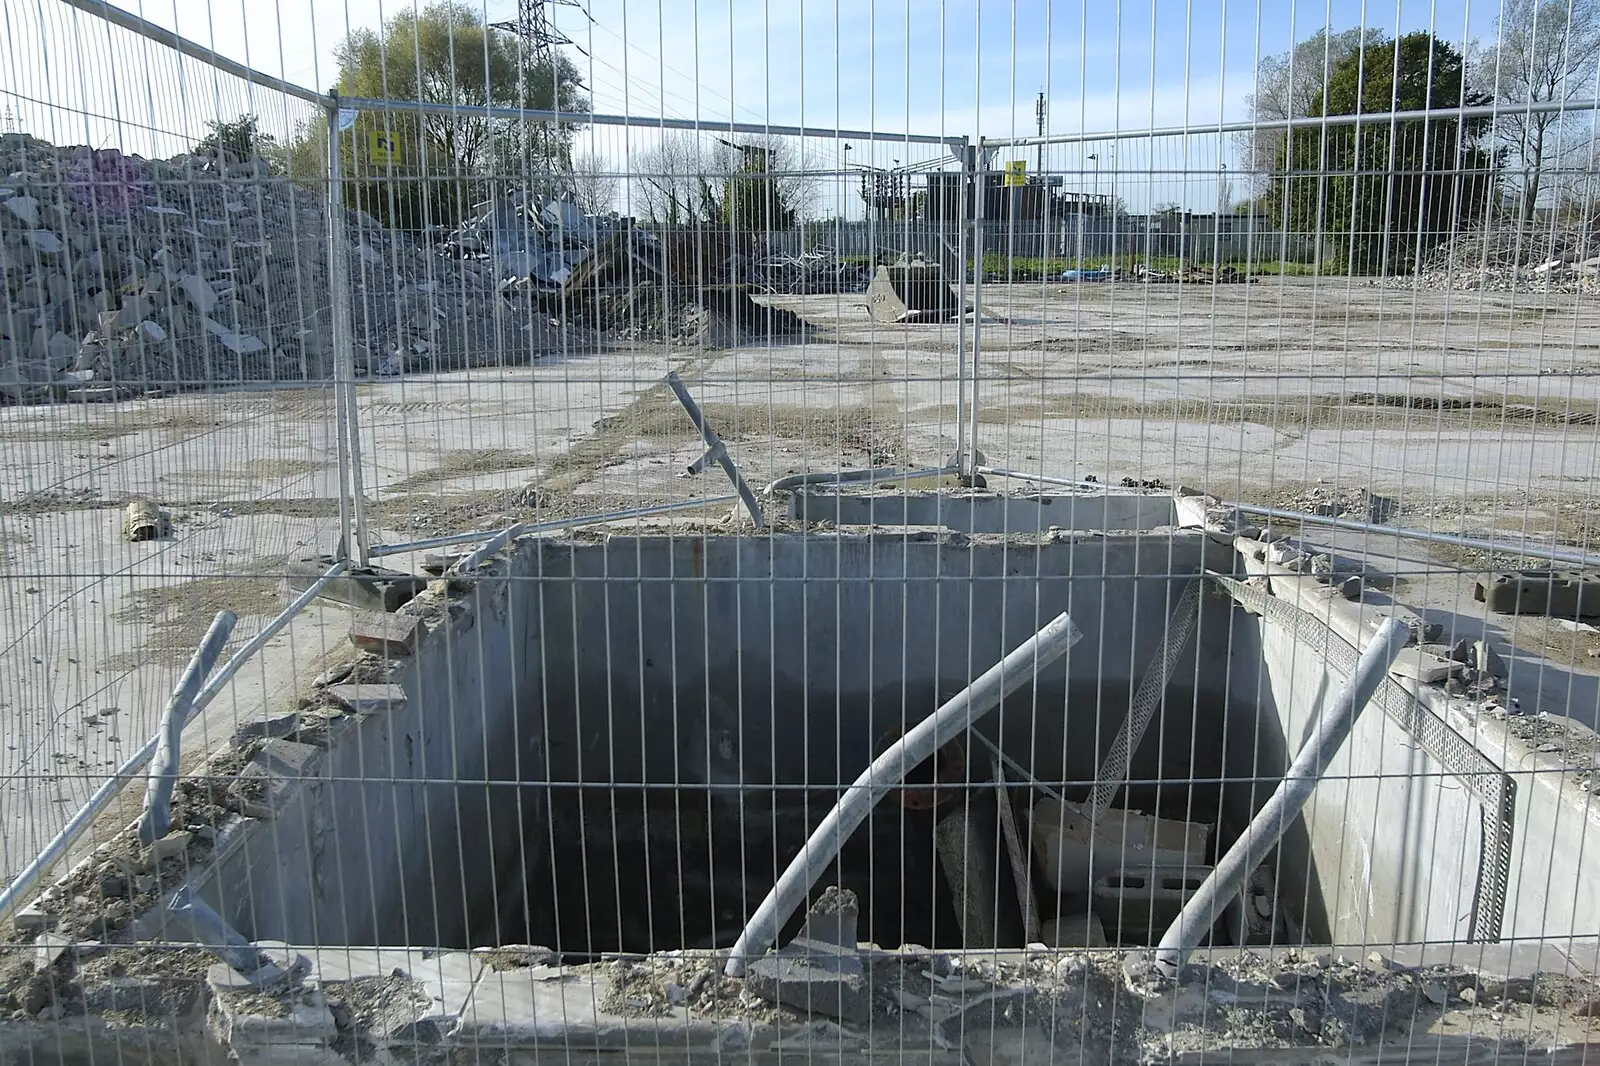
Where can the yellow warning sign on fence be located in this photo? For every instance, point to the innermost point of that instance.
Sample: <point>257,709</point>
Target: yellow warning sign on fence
<point>383,147</point>
<point>1016,172</point>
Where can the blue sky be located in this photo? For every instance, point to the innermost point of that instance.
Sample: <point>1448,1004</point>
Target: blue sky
<point>936,66</point>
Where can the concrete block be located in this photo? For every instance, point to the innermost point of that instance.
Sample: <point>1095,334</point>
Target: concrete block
<point>30,919</point>
<point>296,1018</point>
<point>819,971</point>
<point>386,634</point>
<point>965,843</point>
<point>48,948</point>
<point>267,729</point>
<point>368,699</point>
<point>274,774</point>
<point>372,588</point>
<point>1064,841</point>
<point>174,845</point>
<point>1547,592</point>
<point>198,292</point>
<point>1139,902</point>
<point>445,980</point>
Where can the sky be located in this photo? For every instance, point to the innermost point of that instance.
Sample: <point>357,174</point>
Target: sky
<point>945,67</point>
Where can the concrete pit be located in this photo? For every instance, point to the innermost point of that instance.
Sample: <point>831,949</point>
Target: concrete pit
<point>635,736</point>
<point>615,744</point>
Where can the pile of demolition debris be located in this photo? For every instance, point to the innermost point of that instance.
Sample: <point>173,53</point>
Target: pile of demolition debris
<point>635,285</point>
<point>1511,258</point>
<point>124,275</point>
<point>816,271</point>
<point>1195,275</point>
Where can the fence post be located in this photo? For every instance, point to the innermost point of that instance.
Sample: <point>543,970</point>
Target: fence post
<point>962,245</point>
<point>352,505</point>
<point>969,460</point>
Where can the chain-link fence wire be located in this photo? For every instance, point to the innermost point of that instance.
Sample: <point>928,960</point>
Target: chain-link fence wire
<point>614,747</point>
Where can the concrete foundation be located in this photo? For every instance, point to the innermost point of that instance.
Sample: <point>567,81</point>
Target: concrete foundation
<point>615,744</point>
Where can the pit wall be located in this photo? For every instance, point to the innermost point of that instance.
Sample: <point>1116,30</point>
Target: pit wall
<point>1397,840</point>
<point>1394,839</point>
<point>375,844</point>
<point>980,512</point>
<point>653,645</point>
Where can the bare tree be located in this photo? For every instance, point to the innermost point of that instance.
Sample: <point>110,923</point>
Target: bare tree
<point>688,179</point>
<point>671,182</point>
<point>1288,85</point>
<point>1545,53</point>
<point>594,186</point>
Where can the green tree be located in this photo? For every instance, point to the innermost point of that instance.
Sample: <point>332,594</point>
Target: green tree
<point>1288,85</point>
<point>1387,191</point>
<point>241,139</point>
<point>413,170</point>
<point>754,197</point>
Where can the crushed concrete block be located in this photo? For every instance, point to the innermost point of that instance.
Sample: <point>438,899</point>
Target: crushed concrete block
<point>43,241</point>
<point>24,208</point>
<point>298,1018</point>
<point>1488,661</point>
<point>369,699</point>
<point>385,634</point>
<point>267,729</point>
<point>48,948</point>
<point>152,997</point>
<point>198,292</point>
<point>820,970</point>
<point>236,342</point>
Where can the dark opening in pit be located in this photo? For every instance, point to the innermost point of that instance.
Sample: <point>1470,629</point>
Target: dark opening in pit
<point>667,866</point>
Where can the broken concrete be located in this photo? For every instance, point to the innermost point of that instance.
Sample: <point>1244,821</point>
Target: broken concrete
<point>820,970</point>
<point>185,274</point>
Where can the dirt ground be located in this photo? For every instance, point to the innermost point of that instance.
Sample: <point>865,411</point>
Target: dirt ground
<point>1473,412</point>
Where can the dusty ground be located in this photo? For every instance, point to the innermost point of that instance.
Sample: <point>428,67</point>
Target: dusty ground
<point>1475,412</point>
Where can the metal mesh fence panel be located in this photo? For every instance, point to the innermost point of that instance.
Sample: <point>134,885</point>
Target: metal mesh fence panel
<point>967,532</point>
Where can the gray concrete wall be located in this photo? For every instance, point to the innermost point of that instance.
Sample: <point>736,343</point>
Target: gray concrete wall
<point>1393,838</point>
<point>393,837</point>
<point>653,645</point>
<point>1554,883</point>
<point>987,513</point>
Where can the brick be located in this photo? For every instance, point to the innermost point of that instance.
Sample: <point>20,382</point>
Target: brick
<point>385,634</point>
<point>368,699</point>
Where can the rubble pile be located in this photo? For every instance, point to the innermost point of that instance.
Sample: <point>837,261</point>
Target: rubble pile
<point>1509,258</point>
<point>632,286</point>
<point>123,275</point>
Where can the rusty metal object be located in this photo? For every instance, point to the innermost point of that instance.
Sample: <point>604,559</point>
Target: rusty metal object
<point>947,770</point>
